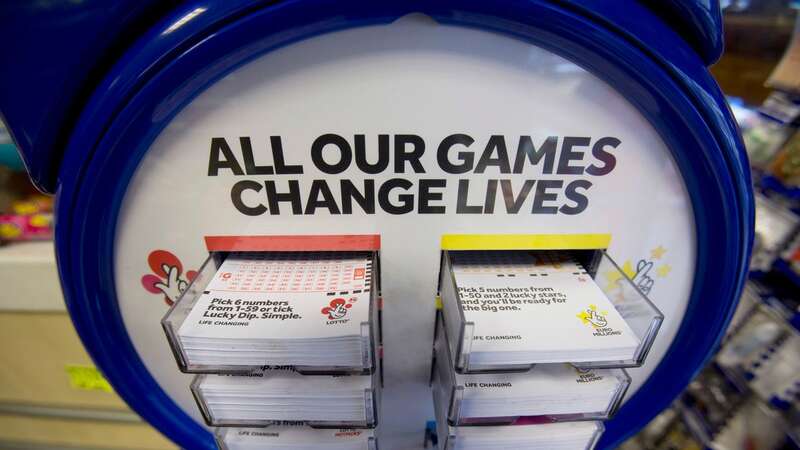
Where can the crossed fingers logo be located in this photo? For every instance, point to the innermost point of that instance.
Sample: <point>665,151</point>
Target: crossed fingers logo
<point>593,317</point>
<point>168,277</point>
<point>337,309</point>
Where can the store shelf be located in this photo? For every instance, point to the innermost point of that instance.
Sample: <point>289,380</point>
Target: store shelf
<point>51,394</point>
<point>52,433</point>
<point>788,421</point>
<point>29,276</point>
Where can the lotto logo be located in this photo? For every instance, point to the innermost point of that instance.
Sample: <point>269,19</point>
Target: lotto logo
<point>348,433</point>
<point>337,309</point>
<point>168,277</point>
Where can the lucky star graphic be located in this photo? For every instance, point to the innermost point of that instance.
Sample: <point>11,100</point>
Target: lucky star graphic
<point>612,277</point>
<point>628,269</point>
<point>639,274</point>
<point>657,252</point>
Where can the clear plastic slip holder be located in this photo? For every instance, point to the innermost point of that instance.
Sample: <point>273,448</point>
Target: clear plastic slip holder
<point>372,400</point>
<point>180,310</point>
<point>223,435</point>
<point>448,434</point>
<point>641,315</point>
<point>450,394</point>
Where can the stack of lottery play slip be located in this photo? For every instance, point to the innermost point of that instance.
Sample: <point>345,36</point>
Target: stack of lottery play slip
<point>548,391</point>
<point>521,308</point>
<point>295,437</point>
<point>300,309</point>
<point>282,394</point>
<point>550,436</point>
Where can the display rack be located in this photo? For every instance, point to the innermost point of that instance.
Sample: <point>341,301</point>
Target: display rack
<point>270,437</point>
<point>638,312</point>
<point>369,419</point>
<point>258,426</point>
<point>451,437</point>
<point>134,152</point>
<point>449,388</point>
<point>179,311</point>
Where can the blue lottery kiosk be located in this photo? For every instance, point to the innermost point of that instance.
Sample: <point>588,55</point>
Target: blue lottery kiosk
<point>123,109</point>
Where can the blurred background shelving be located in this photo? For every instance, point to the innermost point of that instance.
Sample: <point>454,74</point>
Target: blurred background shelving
<point>51,395</point>
<point>747,397</point>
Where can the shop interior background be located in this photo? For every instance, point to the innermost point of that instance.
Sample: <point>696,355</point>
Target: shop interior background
<point>747,398</point>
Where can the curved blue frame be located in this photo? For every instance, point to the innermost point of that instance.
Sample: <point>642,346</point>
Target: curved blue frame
<point>699,21</point>
<point>76,42</point>
<point>164,72</point>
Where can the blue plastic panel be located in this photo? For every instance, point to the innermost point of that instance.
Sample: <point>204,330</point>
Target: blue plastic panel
<point>62,50</point>
<point>698,21</point>
<point>55,53</point>
<point>163,72</point>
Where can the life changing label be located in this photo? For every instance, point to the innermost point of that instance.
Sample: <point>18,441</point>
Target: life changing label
<point>295,435</point>
<point>545,379</point>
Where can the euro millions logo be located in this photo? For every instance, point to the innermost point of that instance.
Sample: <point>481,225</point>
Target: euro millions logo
<point>337,309</point>
<point>593,317</point>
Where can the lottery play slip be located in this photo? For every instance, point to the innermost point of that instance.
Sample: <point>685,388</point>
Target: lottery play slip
<point>555,391</point>
<point>519,307</point>
<point>295,437</point>
<point>300,309</point>
<point>282,394</point>
<point>550,436</point>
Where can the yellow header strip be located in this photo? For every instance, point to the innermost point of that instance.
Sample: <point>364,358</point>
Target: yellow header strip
<point>525,241</point>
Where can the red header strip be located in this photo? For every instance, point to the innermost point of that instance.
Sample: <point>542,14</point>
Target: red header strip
<point>294,243</point>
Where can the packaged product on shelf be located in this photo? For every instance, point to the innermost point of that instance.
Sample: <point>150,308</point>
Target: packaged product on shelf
<point>756,339</point>
<point>775,224</point>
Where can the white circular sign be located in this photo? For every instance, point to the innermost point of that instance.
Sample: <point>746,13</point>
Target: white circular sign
<point>401,92</point>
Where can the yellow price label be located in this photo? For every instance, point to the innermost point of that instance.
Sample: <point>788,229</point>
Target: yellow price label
<point>87,378</point>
